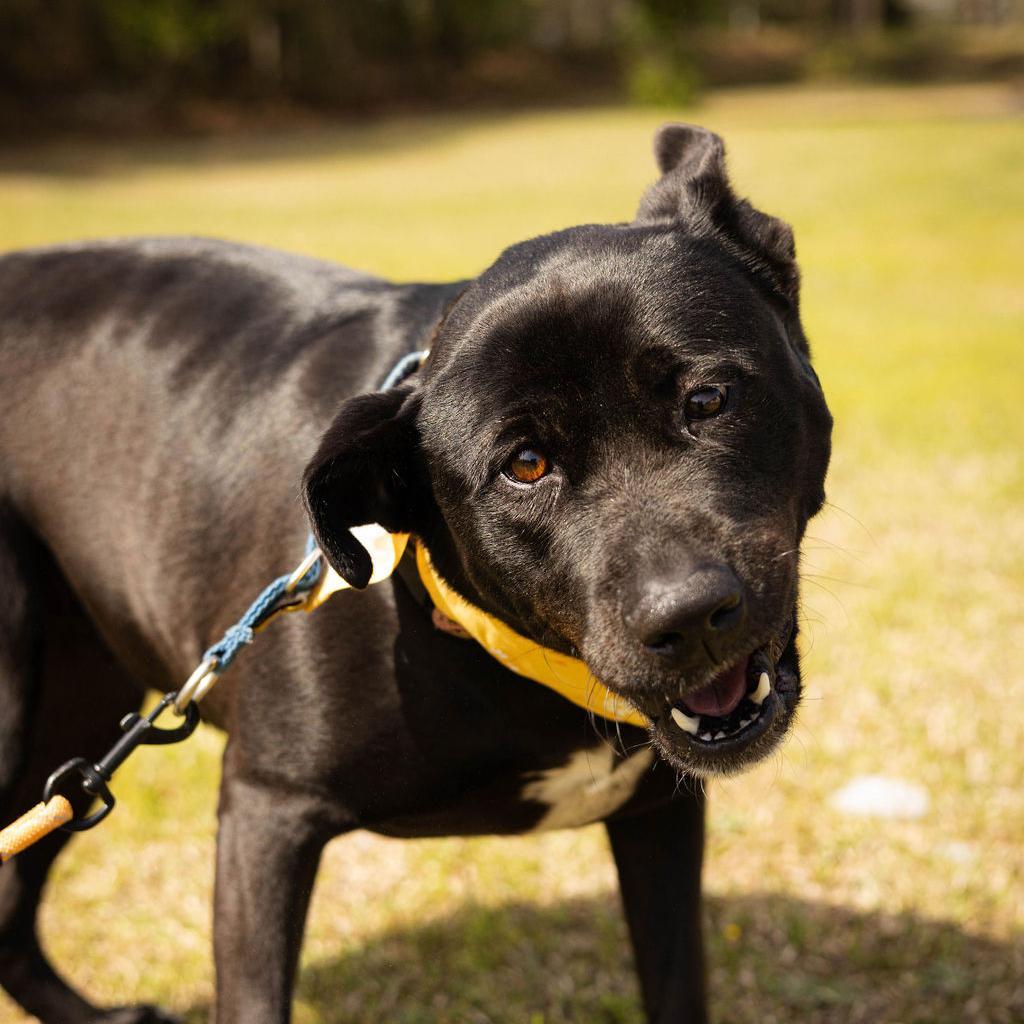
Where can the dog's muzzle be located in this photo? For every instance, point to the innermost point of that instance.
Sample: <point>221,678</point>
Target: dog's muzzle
<point>736,717</point>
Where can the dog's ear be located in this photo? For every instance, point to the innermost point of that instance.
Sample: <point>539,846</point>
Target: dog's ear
<point>694,191</point>
<point>366,470</point>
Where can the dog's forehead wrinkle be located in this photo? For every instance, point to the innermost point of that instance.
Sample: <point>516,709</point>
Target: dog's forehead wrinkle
<point>556,283</point>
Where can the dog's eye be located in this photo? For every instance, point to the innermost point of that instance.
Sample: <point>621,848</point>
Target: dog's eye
<point>706,402</point>
<point>527,466</point>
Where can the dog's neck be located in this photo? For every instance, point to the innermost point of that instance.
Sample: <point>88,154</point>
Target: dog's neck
<point>455,613</point>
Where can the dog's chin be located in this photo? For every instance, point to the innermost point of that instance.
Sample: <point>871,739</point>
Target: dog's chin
<point>704,744</point>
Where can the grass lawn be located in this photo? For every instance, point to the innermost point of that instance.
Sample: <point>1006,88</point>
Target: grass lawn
<point>909,212</point>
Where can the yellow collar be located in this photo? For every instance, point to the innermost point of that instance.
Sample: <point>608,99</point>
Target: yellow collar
<point>567,676</point>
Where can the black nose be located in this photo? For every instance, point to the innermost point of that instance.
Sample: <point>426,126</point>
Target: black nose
<point>674,616</point>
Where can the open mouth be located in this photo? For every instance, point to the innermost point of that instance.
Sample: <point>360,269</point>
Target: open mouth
<point>734,701</point>
<point>738,715</point>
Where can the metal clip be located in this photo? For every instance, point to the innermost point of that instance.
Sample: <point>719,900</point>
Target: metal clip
<point>138,731</point>
<point>302,569</point>
<point>196,686</point>
<point>292,599</point>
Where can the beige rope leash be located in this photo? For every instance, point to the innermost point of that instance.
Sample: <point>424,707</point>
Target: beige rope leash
<point>33,825</point>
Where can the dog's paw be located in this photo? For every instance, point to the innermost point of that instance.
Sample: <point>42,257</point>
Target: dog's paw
<point>142,1014</point>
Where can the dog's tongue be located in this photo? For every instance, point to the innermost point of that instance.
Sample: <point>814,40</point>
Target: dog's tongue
<point>720,697</point>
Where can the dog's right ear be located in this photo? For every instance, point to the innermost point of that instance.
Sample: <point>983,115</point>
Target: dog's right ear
<point>694,190</point>
<point>366,470</point>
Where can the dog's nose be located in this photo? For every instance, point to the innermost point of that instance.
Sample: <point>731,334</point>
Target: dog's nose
<point>672,617</point>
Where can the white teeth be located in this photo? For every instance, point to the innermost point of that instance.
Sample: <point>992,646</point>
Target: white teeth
<point>691,723</point>
<point>764,687</point>
<point>686,722</point>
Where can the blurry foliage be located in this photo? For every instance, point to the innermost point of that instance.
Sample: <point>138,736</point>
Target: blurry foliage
<point>660,69</point>
<point>153,55</point>
<point>658,80</point>
<point>303,49</point>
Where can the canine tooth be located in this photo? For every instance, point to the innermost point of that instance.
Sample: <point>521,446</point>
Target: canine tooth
<point>686,722</point>
<point>745,723</point>
<point>720,735</point>
<point>764,687</point>
<point>706,736</point>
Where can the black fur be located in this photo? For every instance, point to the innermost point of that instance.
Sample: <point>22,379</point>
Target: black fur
<point>160,399</point>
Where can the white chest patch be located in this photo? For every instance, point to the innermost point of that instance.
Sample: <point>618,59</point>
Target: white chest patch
<point>590,786</point>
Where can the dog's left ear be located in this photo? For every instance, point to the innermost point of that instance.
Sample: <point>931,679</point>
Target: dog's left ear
<point>366,470</point>
<point>694,190</point>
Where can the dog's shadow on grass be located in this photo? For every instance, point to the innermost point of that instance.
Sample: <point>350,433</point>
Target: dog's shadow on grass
<point>772,959</point>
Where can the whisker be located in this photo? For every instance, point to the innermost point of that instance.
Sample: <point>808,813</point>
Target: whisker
<point>837,579</point>
<point>785,554</point>
<point>838,600</point>
<point>777,760</point>
<point>823,543</point>
<point>618,746</point>
<point>813,618</point>
<point>853,519</point>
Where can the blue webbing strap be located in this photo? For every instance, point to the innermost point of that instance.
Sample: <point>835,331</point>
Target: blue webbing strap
<point>405,367</point>
<point>244,630</point>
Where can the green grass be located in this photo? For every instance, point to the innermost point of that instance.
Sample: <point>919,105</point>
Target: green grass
<point>909,212</point>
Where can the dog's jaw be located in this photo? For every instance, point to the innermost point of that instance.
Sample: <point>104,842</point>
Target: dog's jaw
<point>707,744</point>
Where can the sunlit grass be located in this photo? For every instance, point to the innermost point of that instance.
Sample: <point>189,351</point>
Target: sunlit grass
<point>909,211</point>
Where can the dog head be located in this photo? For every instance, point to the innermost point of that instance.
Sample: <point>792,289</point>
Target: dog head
<point>615,447</point>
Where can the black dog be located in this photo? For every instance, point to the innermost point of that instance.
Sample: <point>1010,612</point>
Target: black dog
<point>614,447</point>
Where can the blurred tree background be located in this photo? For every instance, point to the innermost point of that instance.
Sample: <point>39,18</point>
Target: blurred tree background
<point>119,63</point>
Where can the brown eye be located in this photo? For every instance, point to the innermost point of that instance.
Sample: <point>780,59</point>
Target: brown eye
<point>705,402</point>
<point>527,466</point>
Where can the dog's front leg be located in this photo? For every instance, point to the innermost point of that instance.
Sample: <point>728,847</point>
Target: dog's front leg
<point>658,854</point>
<point>268,849</point>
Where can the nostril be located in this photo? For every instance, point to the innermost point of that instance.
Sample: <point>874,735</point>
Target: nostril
<point>687,618</point>
<point>663,643</point>
<point>728,614</point>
